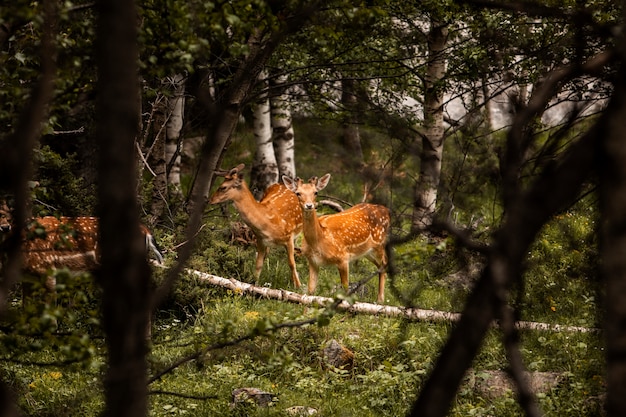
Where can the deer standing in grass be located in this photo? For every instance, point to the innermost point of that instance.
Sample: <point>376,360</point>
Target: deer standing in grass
<point>337,239</point>
<point>275,220</point>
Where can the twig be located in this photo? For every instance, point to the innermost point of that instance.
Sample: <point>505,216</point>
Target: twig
<point>180,395</point>
<point>144,160</point>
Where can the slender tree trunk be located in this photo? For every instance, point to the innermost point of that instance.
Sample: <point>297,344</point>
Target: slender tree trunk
<point>433,133</point>
<point>157,161</point>
<point>264,170</point>
<point>17,169</point>
<point>124,274</point>
<point>351,133</point>
<point>174,140</point>
<point>282,131</point>
<point>487,112</point>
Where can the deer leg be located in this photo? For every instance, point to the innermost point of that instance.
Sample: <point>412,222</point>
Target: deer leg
<point>381,287</point>
<point>312,284</point>
<point>292,263</point>
<point>344,271</point>
<point>261,252</point>
<point>380,260</point>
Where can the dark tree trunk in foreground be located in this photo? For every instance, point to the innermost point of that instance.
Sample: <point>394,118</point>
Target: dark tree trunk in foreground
<point>124,274</point>
<point>612,170</point>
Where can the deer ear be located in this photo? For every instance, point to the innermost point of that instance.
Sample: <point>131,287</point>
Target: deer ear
<point>289,183</point>
<point>322,182</point>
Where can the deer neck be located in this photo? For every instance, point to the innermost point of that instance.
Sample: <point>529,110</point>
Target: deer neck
<point>251,211</point>
<point>311,228</point>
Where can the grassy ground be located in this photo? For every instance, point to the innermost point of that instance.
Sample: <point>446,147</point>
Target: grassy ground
<point>392,356</point>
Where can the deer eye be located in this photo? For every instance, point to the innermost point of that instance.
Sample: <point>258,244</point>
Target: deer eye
<point>298,193</point>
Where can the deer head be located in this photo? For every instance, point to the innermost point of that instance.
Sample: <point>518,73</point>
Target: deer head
<point>231,187</point>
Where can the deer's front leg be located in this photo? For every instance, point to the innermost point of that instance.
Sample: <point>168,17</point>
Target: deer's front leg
<point>381,287</point>
<point>261,252</point>
<point>292,264</point>
<point>313,271</point>
<point>344,270</point>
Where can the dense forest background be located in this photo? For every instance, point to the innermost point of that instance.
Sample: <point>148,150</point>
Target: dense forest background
<point>492,130</point>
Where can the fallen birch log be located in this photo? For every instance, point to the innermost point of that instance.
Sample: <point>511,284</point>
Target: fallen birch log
<point>409,313</point>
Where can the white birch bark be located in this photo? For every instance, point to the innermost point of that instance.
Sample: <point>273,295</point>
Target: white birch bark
<point>264,170</point>
<point>283,134</point>
<point>418,314</point>
<point>433,129</point>
<point>174,126</point>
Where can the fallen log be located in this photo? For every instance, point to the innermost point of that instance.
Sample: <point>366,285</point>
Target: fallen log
<point>409,313</point>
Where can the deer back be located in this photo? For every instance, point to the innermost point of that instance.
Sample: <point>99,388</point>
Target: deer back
<point>356,230</point>
<point>282,203</point>
<point>52,242</point>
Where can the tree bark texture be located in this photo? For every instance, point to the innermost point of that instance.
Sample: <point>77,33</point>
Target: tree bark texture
<point>174,127</point>
<point>425,199</point>
<point>124,273</point>
<point>351,134</point>
<point>157,162</point>
<point>264,170</point>
<point>283,136</point>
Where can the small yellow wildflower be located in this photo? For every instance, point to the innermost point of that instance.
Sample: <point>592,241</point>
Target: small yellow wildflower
<point>251,315</point>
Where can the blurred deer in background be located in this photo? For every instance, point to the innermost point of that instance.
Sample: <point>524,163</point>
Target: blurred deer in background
<point>275,220</point>
<point>337,239</point>
<point>63,242</point>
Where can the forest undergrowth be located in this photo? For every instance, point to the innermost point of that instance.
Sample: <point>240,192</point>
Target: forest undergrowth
<point>57,368</point>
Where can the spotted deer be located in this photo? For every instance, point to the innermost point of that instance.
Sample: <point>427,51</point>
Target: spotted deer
<point>275,220</point>
<point>338,239</point>
<point>64,242</point>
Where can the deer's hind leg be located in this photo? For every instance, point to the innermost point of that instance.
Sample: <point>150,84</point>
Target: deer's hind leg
<point>292,263</point>
<point>379,258</point>
<point>261,253</point>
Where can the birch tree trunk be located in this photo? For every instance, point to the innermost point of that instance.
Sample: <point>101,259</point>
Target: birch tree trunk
<point>282,131</point>
<point>158,163</point>
<point>174,126</point>
<point>264,170</point>
<point>425,199</point>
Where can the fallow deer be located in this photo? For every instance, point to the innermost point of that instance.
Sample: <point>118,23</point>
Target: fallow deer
<point>57,242</point>
<point>337,239</point>
<point>276,220</point>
